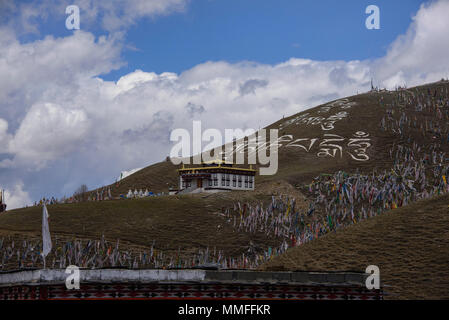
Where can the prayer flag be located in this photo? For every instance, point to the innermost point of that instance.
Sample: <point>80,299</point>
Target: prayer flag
<point>46,238</point>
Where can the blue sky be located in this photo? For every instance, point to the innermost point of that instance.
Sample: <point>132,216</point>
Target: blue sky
<point>263,31</point>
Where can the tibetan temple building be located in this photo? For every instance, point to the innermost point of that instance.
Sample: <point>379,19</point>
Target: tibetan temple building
<point>215,176</point>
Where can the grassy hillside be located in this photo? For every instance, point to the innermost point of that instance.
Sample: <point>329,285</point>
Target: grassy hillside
<point>184,222</point>
<point>364,113</point>
<point>395,129</point>
<point>409,245</point>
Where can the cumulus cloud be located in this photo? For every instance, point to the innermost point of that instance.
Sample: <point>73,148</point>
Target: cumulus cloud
<point>17,197</point>
<point>50,67</point>
<point>421,54</point>
<point>193,109</point>
<point>161,123</point>
<point>251,85</point>
<point>48,132</point>
<point>59,119</point>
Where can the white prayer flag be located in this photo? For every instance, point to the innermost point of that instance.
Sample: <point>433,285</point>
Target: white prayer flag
<point>46,238</point>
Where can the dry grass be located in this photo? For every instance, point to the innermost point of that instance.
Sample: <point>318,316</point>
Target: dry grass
<point>185,222</point>
<point>410,245</point>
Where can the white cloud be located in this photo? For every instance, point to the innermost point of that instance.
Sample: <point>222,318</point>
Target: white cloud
<point>17,197</point>
<point>421,55</point>
<point>48,132</point>
<point>40,70</point>
<point>58,117</point>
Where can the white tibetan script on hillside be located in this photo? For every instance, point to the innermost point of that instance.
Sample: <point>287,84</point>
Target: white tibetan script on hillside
<point>327,123</point>
<point>326,146</point>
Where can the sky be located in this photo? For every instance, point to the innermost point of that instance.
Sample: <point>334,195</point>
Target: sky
<point>81,106</point>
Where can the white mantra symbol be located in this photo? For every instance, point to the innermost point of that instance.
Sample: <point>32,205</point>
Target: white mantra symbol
<point>362,143</point>
<point>330,145</point>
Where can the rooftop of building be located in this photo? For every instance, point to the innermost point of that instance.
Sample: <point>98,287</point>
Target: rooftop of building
<point>216,164</point>
<point>55,276</point>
